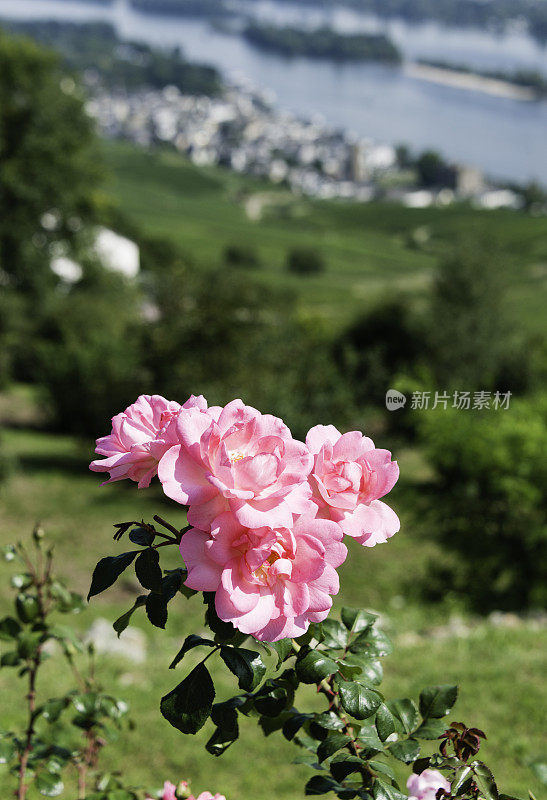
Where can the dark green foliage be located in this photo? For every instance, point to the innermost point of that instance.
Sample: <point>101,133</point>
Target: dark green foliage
<point>322,43</point>
<point>126,65</point>
<point>236,255</point>
<point>487,505</point>
<point>90,338</point>
<point>59,734</point>
<point>47,165</point>
<point>469,332</point>
<point>305,261</point>
<point>434,171</point>
<point>188,705</point>
<point>389,340</point>
<point>108,570</point>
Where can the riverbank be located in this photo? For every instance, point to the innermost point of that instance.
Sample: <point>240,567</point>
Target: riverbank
<point>469,81</point>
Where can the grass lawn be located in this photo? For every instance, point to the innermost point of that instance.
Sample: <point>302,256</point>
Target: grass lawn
<point>500,670</point>
<point>369,249</point>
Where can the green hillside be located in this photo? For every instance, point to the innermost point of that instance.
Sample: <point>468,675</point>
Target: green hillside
<point>369,249</point>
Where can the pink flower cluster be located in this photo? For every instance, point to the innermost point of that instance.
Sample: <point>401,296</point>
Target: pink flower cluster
<point>172,792</point>
<point>268,512</point>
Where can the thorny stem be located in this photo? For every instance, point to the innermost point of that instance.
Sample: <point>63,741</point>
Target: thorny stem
<point>39,580</point>
<point>326,687</point>
<point>89,760</point>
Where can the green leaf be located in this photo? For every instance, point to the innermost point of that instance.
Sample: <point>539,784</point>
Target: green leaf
<point>224,631</point>
<point>27,607</point>
<point>272,724</point>
<point>189,643</point>
<point>373,642</point>
<point>345,764</point>
<point>386,723</point>
<point>383,791</point>
<point>9,628</point>
<point>371,667</point>
<point>292,724</point>
<point>148,570</point>
<point>314,666</point>
<point>108,570</point>
<point>188,705</point>
<point>122,622</point>
<point>49,785</point>
<point>485,781</point>
<point>329,720</point>
<point>406,712</point>
<point>407,751</point>
<point>357,620</point>
<point>143,537</point>
<point>156,609</point>
<point>225,718</point>
<point>321,784</point>
<point>357,700</point>
<point>283,647</point>
<point>7,750</point>
<point>52,709</point>
<point>462,779</point>
<point>246,665</point>
<point>336,636</point>
<point>10,659</point>
<point>271,700</point>
<point>368,736</point>
<point>382,768</point>
<point>430,729</point>
<point>436,701</point>
<point>330,745</point>
<point>156,602</point>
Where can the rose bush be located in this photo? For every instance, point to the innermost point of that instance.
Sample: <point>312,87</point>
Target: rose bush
<point>267,516</point>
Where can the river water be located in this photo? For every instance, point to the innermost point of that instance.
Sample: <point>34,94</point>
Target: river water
<point>506,138</point>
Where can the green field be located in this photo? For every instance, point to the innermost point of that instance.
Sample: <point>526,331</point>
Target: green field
<point>53,485</point>
<point>370,249</point>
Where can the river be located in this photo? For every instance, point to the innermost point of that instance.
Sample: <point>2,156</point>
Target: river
<point>506,138</point>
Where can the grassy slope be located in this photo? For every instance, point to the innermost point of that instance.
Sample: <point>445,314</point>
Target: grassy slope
<point>368,248</point>
<point>53,485</point>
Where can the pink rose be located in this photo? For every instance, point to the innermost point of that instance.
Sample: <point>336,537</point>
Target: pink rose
<point>170,792</point>
<point>238,460</point>
<point>269,582</point>
<point>139,438</point>
<point>208,796</point>
<point>348,478</point>
<point>426,785</point>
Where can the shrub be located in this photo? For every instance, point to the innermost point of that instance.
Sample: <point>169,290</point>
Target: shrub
<point>240,255</point>
<point>378,346</point>
<point>488,502</point>
<point>90,352</point>
<point>305,261</point>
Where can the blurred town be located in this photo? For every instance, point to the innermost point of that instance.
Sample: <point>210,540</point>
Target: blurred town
<point>244,130</point>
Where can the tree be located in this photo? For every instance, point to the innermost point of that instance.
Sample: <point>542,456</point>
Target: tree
<point>469,333</point>
<point>305,261</point>
<point>48,167</point>
<point>433,170</point>
<point>487,503</point>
